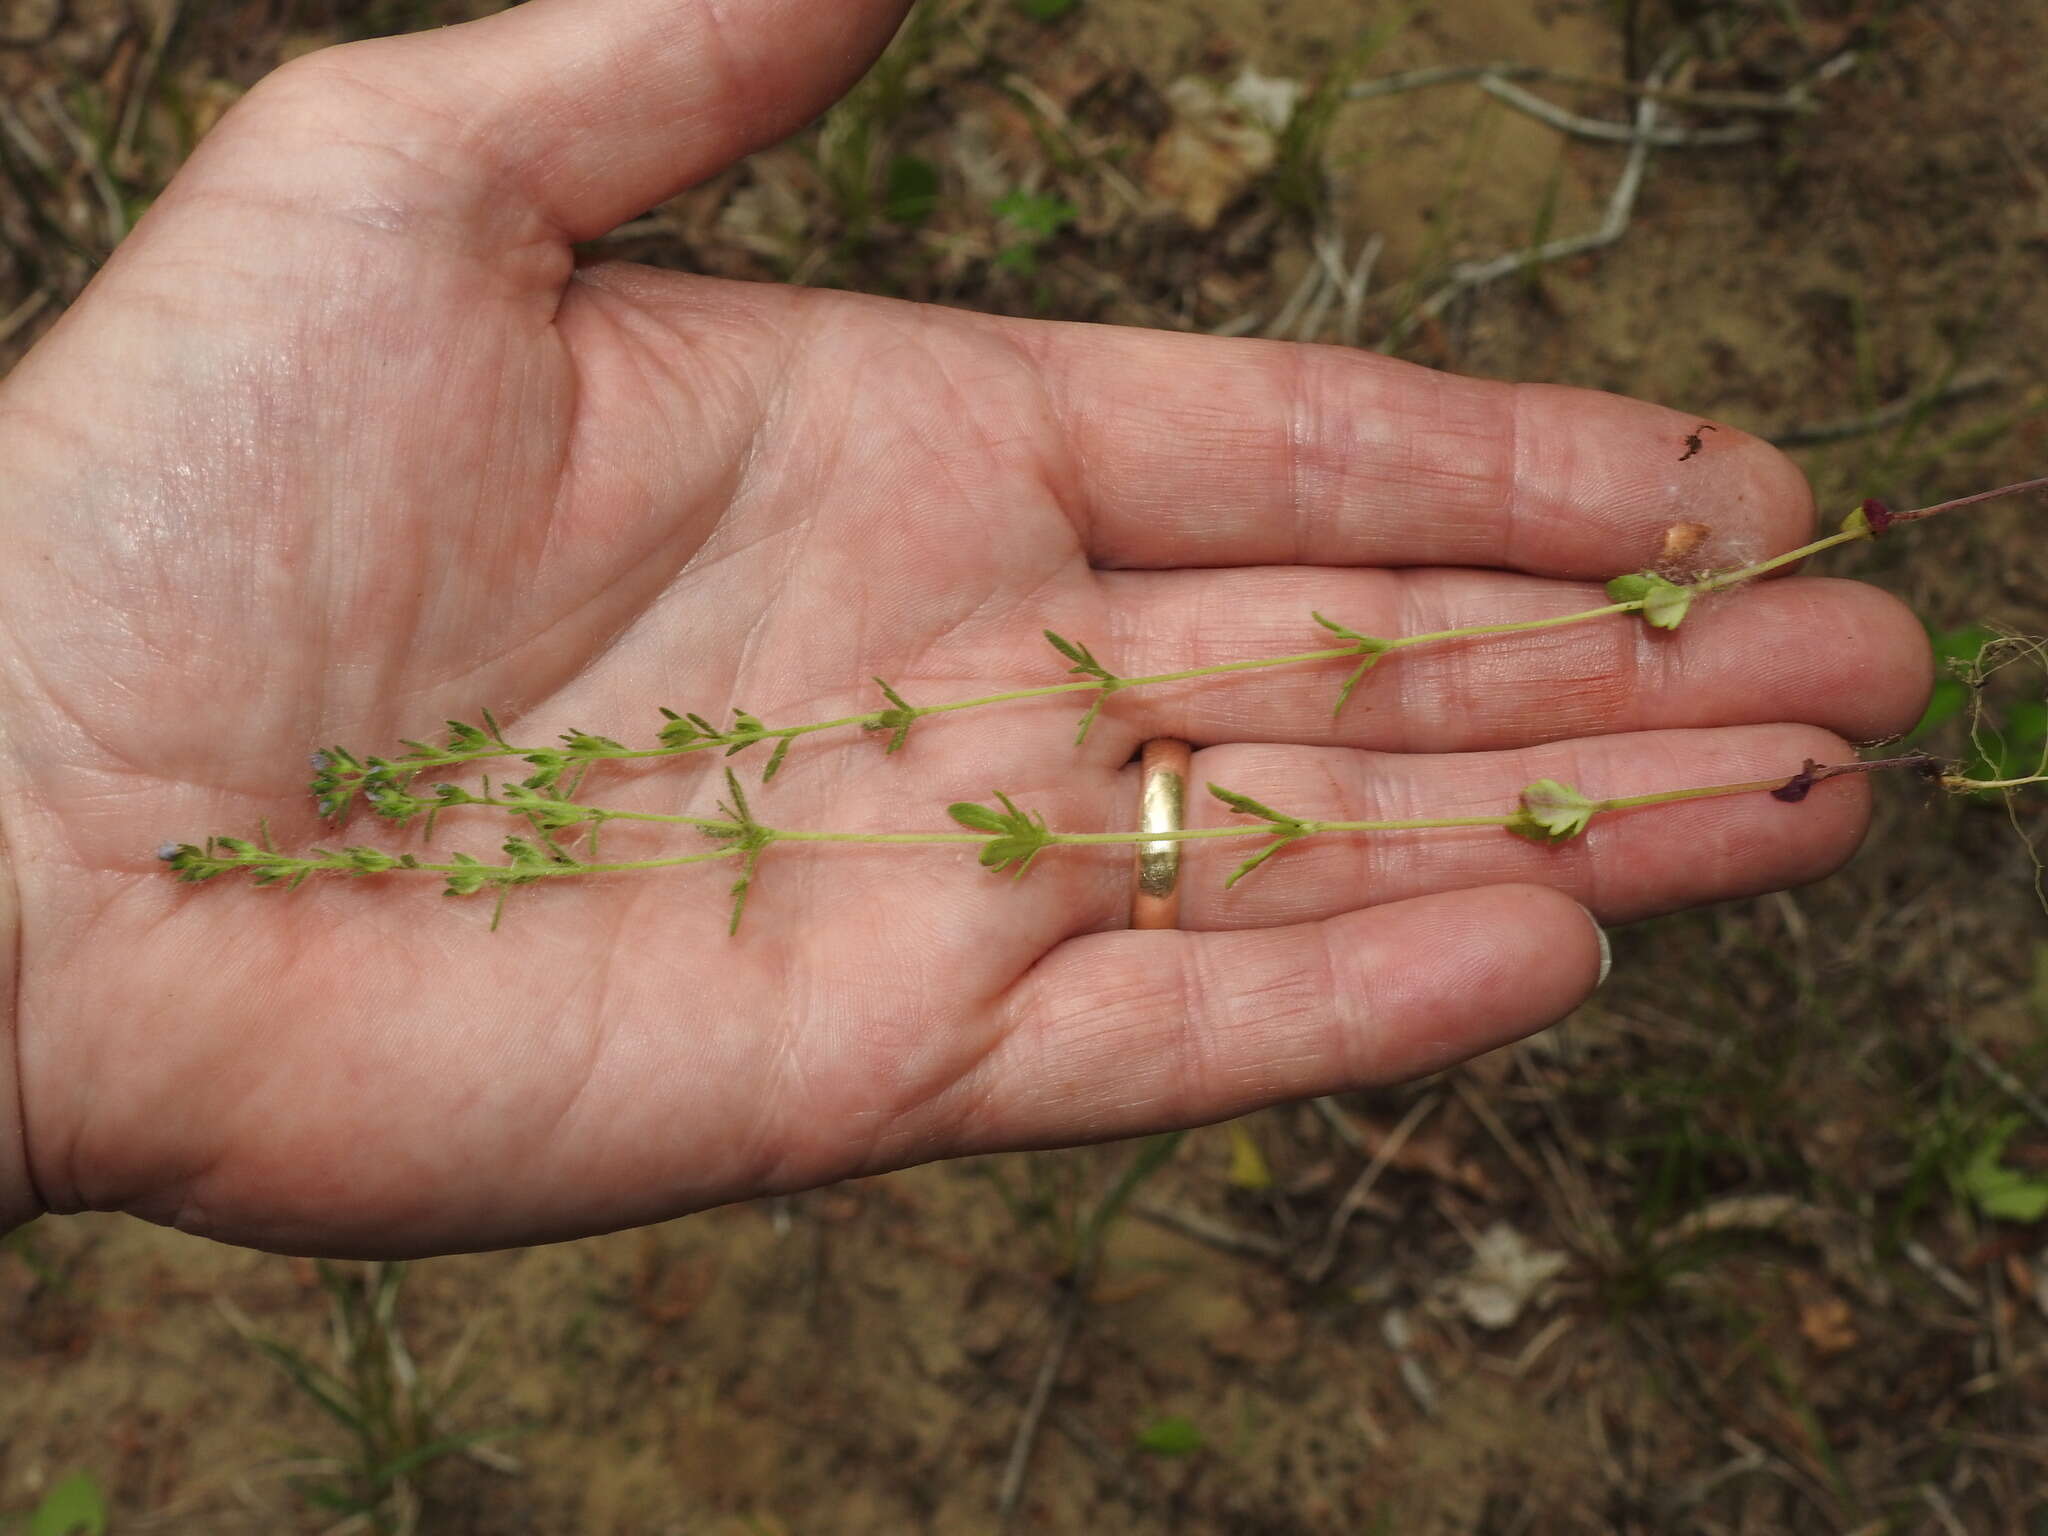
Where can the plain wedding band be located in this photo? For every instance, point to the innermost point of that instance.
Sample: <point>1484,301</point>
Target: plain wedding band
<point>1163,767</point>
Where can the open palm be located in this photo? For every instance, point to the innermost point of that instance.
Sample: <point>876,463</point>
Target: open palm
<point>343,443</point>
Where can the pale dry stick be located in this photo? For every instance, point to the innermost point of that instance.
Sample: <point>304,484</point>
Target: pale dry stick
<point>12,123</point>
<point>1545,1095</point>
<point>1621,204</point>
<point>1794,101</point>
<point>1011,1493</point>
<point>1340,281</point>
<point>1289,313</point>
<point>1356,287</point>
<point>1400,1338</point>
<point>1080,1436</point>
<point>1982,1060</point>
<point>1201,1229</point>
<point>1921,1258</point>
<point>1578,1219</point>
<point>1028,91</point>
<point>1532,1353</point>
<point>1795,1473</point>
<point>1944,1512</point>
<point>94,163</point>
<point>1329,256</point>
<point>1694,1490</point>
<point>144,82</point>
<point>1334,1116</point>
<point>1889,414</point>
<point>1319,1267</point>
<point>1573,124</point>
<point>22,313</point>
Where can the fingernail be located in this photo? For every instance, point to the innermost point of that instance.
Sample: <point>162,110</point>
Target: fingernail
<point>1606,948</point>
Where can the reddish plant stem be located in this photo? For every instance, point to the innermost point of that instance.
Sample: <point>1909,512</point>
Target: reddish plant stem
<point>2016,489</point>
<point>1801,783</point>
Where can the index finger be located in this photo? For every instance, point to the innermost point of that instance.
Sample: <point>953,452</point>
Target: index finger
<point>1197,451</point>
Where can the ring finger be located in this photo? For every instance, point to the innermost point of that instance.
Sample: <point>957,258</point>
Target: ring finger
<point>1627,865</point>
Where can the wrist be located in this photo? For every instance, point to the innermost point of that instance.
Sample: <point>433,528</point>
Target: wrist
<point>18,1200</point>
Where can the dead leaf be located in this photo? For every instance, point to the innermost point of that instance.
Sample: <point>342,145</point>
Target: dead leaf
<point>1826,1324</point>
<point>1507,1274</point>
<point>1248,1168</point>
<point>771,215</point>
<point>1222,139</point>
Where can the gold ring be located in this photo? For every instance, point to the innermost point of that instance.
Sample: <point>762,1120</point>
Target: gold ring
<point>1163,768</point>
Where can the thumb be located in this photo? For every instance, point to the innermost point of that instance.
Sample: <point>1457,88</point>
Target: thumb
<point>591,111</point>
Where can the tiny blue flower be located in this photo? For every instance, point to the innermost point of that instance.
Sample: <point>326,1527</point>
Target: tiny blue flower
<point>320,762</point>
<point>167,852</point>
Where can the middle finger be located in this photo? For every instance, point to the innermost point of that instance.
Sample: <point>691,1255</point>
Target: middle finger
<point>1825,652</point>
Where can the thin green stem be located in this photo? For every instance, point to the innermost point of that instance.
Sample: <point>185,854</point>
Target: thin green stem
<point>630,866</point>
<point>1705,792</point>
<point>1519,626</point>
<point>1971,786</point>
<point>406,769</point>
<point>1776,562</point>
<point>1307,828</point>
<point>337,784</point>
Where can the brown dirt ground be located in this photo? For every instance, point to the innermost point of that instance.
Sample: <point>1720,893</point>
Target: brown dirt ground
<point>1778,1309</point>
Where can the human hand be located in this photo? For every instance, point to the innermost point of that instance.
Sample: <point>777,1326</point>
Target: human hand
<point>343,442</point>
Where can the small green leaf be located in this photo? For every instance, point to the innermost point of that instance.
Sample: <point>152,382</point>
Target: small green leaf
<point>1084,661</point>
<point>740,810</point>
<point>468,877</point>
<point>1245,805</point>
<point>897,719</point>
<point>1664,602</point>
<point>740,887</point>
<point>548,765</point>
<point>976,818</point>
<point>1628,589</point>
<point>1019,836</point>
<point>1171,1435</point>
<point>2000,1192</point>
<point>775,758</point>
<point>1035,215</point>
<point>680,730</point>
<point>1371,643</point>
<point>1665,608</point>
<point>75,1507</point>
<point>1370,647</point>
<point>1088,720</point>
<point>1551,813</point>
<point>1350,683</point>
<point>1257,859</point>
